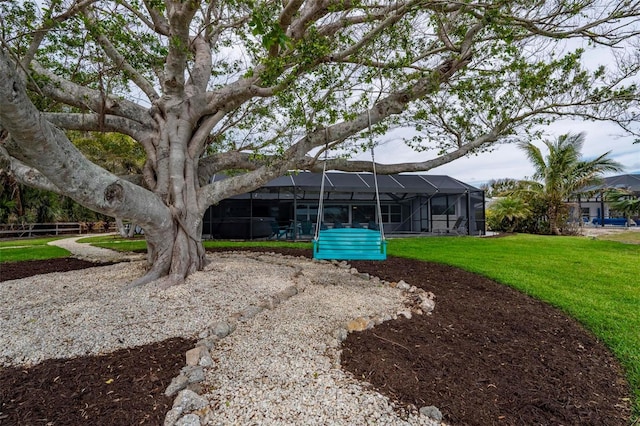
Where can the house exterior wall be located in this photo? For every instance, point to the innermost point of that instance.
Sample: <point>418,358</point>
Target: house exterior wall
<point>281,207</point>
<point>592,211</point>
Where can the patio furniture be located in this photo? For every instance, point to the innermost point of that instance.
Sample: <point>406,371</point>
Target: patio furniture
<point>460,227</point>
<point>277,231</point>
<point>306,227</point>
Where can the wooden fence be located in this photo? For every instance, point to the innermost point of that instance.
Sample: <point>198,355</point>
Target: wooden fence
<point>24,230</point>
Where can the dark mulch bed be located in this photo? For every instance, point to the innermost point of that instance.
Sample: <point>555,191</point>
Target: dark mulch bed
<point>125,387</point>
<point>28,268</point>
<point>487,355</point>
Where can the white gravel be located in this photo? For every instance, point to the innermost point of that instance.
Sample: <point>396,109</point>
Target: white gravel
<point>280,367</point>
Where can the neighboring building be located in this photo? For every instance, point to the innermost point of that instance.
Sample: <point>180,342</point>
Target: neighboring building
<point>594,208</point>
<point>410,204</point>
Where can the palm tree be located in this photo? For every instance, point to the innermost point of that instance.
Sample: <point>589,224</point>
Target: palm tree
<point>624,201</point>
<point>563,172</point>
<point>510,210</point>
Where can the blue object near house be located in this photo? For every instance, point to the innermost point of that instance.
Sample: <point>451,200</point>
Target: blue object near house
<point>349,244</point>
<point>616,221</point>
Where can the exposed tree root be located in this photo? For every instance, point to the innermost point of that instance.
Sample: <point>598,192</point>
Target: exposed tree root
<point>153,275</point>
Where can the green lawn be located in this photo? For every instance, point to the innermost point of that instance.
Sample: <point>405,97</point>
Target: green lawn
<point>115,242</point>
<point>30,249</point>
<point>120,244</point>
<point>595,281</point>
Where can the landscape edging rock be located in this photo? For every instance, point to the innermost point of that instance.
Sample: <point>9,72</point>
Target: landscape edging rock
<point>188,404</point>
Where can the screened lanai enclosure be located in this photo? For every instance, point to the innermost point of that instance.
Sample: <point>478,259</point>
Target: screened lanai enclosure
<point>410,204</point>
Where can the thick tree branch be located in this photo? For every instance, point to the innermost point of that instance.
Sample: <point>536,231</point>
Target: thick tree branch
<point>201,72</point>
<point>84,98</point>
<point>217,163</point>
<point>98,123</point>
<point>119,60</point>
<point>160,23</point>
<point>198,141</point>
<point>422,166</point>
<point>180,15</point>
<point>24,174</point>
<point>31,139</point>
<point>218,191</point>
<point>286,16</point>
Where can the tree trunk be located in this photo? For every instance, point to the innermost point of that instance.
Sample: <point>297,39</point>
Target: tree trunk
<point>122,229</point>
<point>175,252</point>
<point>172,256</point>
<point>554,213</point>
<point>553,222</point>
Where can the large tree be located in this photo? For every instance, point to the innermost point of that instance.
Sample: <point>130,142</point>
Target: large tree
<point>263,87</point>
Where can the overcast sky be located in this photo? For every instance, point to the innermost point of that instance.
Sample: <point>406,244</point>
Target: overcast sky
<point>507,161</point>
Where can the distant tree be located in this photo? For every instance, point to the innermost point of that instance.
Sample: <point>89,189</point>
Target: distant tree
<point>499,187</point>
<point>117,153</point>
<point>624,201</point>
<point>562,172</point>
<point>508,211</point>
<point>9,195</point>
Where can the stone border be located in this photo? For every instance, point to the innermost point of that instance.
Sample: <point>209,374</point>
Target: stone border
<point>190,408</point>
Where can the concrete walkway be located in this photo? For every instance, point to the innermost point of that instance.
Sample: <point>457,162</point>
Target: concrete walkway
<point>95,254</point>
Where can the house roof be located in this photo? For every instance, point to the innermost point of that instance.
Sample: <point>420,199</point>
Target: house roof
<point>365,183</point>
<point>628,181</point>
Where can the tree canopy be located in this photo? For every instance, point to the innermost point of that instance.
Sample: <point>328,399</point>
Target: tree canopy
<point>263,87</point>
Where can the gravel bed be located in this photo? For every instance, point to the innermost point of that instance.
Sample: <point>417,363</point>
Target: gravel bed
<point>278,367</point>
<point>90,312</point>
<point>284,364</point>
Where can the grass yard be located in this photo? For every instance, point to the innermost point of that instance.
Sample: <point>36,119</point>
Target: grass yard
<point>30,249</point>
<point>116,243</point>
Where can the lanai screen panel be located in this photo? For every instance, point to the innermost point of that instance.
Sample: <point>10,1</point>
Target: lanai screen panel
<point>447,185</point>
<point>363,183</point>
<point>348,182</point>
<point>416,184</point>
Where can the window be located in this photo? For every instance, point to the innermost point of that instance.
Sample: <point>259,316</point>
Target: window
<point>585,212</point>
<point>363,213</point>
<point>391,213</point>
<point>333,214</point>
<point>443,206</point>
<point>307,212</point>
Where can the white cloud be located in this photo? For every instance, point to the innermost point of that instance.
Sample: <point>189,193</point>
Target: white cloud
<point>507,161</point>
